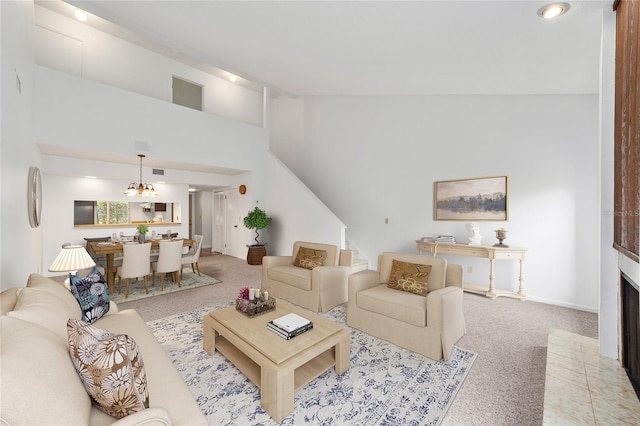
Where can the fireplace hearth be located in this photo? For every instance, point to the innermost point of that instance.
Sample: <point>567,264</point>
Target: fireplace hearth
<point>631,331</point>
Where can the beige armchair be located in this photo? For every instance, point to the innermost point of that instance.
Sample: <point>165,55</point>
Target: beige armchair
<point>319,289</point>
<point>428,325</point>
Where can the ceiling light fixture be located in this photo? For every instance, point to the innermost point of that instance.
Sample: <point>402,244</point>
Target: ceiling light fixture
<point>139,188</point>
<point>232,78</point>
<point>81,15</point>
<point>553,10</point>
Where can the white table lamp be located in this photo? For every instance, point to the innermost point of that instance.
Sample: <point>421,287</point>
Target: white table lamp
<point>72,258</point>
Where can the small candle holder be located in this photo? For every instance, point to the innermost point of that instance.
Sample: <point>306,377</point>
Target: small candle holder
<point>253,302</point>
<point>501,235</point>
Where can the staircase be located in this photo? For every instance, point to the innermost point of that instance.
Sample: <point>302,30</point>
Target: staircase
<point>358,263</point>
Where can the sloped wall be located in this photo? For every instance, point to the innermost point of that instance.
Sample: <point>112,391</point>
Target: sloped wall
<point>370,158</point>
<point>74,47</point>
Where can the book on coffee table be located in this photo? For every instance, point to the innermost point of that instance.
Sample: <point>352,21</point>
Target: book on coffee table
<point>290,322</point>
<point>290,325</point>
<point>288,334</point>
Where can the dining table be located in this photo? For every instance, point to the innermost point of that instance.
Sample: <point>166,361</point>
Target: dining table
<point>110,249</point>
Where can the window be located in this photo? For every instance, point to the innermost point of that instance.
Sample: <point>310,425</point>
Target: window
<point>111,212</point>
<point>186,93</point>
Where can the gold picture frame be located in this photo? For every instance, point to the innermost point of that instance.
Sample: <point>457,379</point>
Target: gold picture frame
<point>474,199</point>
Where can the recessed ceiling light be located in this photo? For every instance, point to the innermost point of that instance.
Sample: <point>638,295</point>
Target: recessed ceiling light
<point>192,190</point>
<point>553,10</point>
<point>232,78</point>
<point>81,15</point>
<point>91,177</point>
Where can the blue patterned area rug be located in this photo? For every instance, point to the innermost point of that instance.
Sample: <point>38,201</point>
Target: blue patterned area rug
<point>385,384</point>
<point>136,287</point>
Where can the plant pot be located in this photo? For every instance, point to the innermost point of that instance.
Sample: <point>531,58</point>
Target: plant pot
<point>256,253</point>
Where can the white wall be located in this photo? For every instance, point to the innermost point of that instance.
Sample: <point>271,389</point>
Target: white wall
<point>375,157</point>
<point>296,213</point>
<point>608,309</point>
<point>233,207</point>
<point>61,191</point>
<point>20,245</point>
<point>203,216</point>
<point>104,58</point>
<point>101,118</point>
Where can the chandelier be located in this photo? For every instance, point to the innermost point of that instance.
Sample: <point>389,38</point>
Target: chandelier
<point>141,189</point>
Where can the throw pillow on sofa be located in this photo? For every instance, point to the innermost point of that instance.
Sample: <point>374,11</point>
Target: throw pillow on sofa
<point>56,288</point>
<point>39,384</point>
<point>410,277</point>
<point>43,308</point>
<point>309,258</point>
<point>92,293</point>
<point>110,367</point>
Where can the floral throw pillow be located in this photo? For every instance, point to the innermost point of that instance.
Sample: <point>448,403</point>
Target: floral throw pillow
<point>309,258</point>
<point>110,367</point>
<point>411,277</point>
<point>92,293</point>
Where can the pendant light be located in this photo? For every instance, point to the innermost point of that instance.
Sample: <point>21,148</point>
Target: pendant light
<point>141,189</point>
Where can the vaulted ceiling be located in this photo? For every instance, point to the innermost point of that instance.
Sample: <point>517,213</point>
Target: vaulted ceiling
<point>378,47</point>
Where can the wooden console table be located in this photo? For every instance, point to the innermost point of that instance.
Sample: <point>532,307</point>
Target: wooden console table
<point>488,252</point>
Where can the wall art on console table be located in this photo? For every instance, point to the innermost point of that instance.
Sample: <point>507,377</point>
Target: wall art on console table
<point>472,199</point>
<point>34,197</point>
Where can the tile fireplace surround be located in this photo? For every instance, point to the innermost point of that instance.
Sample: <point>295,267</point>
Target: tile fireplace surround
<point>582,387</point>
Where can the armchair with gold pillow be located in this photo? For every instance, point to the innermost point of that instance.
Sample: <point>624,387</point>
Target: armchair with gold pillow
<point>315,276</point>
<point>412,301</point>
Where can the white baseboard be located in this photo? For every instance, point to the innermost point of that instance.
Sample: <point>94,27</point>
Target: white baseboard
<point>563,304</point>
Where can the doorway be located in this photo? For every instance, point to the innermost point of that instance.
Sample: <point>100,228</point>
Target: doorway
<point>218,222</point>
<point>190,216</point>
<point>227,223</point>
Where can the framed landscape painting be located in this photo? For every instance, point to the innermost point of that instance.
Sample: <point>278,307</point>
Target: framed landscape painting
<point>476,199</point>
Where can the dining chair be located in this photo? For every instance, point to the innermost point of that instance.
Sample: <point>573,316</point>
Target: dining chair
<point>99,259</point>
<point>169,260</point>
<point>135,264</point>
<point>193,256</point>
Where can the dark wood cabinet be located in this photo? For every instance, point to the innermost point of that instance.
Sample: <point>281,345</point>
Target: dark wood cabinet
<point>627,129</point>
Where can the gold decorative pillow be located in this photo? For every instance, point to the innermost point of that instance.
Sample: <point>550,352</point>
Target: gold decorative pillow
<point>110,367</point>
<point>309,258</point>
<point>411,277</point>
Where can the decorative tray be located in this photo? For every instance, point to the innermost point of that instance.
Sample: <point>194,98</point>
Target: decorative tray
<point>252,308</point>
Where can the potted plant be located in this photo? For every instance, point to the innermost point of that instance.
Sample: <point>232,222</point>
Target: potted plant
<point>142,232</point>
<point>256,219</point>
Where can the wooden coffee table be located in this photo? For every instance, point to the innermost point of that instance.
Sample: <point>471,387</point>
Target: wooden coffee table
<point>277,366</point>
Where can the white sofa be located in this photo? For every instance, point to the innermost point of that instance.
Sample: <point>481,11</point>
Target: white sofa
<point>319,289</point>
<point>39,384</point>
<point>428,325</point>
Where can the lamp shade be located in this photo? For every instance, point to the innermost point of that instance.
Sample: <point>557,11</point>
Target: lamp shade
<point>72,258</point>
